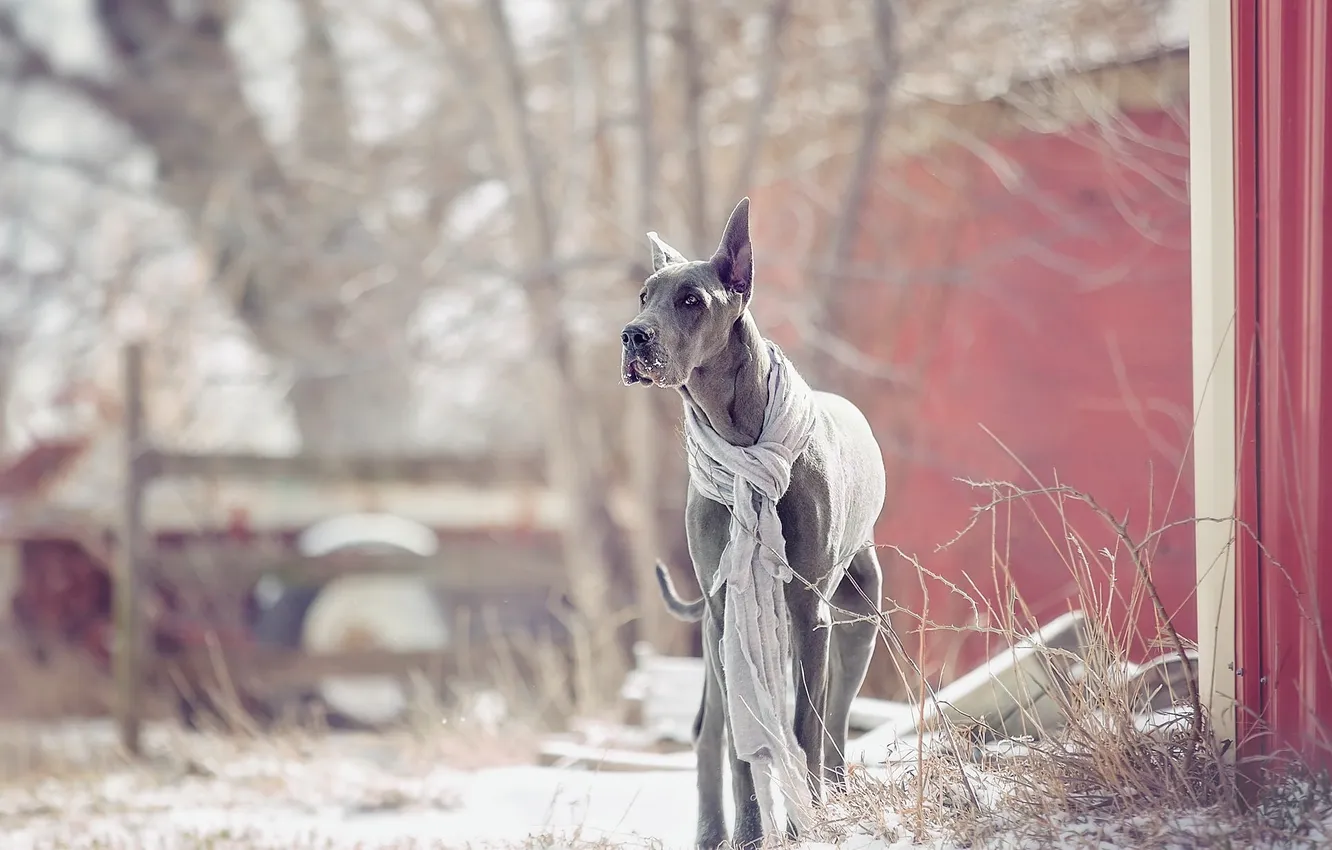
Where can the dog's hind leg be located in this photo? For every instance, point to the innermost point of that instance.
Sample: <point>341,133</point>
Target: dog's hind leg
<point>855,630</point>
<point>709,741</point>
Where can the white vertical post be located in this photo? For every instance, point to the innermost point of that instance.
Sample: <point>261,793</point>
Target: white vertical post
<point>1212,190</point>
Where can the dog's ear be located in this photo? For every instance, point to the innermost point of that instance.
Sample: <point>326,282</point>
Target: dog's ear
<point>734,260</point>
<point>663,255</point>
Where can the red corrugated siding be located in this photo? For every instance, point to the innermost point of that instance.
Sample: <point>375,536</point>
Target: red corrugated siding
<point>1055,312</point>
<point>1248,597</point>
<point>1284,187</point>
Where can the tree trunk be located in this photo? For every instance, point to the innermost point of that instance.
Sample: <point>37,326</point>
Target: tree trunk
<point>593,544</point>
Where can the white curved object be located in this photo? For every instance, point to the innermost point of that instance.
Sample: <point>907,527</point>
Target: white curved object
<point>365,612</point>
<point>367,529</point>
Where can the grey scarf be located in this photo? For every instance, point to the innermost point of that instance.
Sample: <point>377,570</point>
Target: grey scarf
<point>756,643</point>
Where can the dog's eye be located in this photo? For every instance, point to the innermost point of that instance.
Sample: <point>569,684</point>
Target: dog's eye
<point>691,301</point>
<point>642,298</point>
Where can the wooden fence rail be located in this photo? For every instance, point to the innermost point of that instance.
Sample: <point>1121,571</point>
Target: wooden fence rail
<point>224,569</point>
<point>423,469</point>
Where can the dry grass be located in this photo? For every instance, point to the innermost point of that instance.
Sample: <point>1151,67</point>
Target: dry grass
<point>1110,772</point>
<point>494,716</point>
<point>1295,813</point>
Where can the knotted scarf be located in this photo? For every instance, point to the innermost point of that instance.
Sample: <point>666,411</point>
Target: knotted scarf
<point>756,642</point>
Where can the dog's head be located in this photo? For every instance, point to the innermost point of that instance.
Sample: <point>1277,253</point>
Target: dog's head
<point>687,309</point>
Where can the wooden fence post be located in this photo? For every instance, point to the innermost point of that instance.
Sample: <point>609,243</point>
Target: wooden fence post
<point>128,640</point>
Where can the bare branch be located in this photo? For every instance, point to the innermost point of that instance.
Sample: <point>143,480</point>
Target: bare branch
<point>779,12</point>
<point>96,174</point>
<point>29,64</point>
<point>580,155</point>
<point>647,152</point>
<point>325,123</point>
<point>533,170</point>
<point>696,179</point>
<point>878,89</point>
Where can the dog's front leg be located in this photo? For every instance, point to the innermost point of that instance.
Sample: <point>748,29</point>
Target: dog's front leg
<point>810,638</point>
<point>709,742</point>
<point>748,831</point>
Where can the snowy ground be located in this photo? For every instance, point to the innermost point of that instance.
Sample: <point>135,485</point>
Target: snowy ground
<point>277,806</point>
<point>67,787</point>
<point>342,791</point>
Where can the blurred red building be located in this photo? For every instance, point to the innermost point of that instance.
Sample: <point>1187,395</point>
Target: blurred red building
<point>1032,283</point>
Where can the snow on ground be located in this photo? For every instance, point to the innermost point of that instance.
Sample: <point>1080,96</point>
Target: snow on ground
<point>66,787</point>
<point>334,792</point>
<point>277,807</point>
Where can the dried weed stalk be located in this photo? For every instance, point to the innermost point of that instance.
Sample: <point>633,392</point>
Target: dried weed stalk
<point>1107,759</point>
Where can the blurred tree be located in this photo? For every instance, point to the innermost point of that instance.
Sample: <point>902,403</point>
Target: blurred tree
<point>319,288</point>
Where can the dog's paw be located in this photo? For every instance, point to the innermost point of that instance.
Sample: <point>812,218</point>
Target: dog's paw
<point>712,841</point>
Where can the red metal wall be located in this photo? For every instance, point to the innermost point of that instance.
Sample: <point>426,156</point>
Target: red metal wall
<point>1283,75</point>
<point>1048,300</point>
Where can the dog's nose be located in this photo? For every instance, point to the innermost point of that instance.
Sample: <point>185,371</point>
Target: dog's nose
<point>634,336</point>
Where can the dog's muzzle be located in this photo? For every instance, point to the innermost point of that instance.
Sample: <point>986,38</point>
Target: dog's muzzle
<point>640,358</point>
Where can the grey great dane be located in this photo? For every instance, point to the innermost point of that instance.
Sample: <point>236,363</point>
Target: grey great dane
<point>695,334</point>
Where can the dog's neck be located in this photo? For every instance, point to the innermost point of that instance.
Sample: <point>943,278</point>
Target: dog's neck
<point>731,389</point>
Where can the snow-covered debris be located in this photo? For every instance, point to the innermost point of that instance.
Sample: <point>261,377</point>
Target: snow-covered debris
<point>1015,693</point>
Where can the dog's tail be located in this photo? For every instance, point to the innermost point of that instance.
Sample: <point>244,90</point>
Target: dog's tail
<point>689,612</point>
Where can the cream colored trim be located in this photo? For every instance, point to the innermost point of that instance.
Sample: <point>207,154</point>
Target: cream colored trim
<point>1212,181</point>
